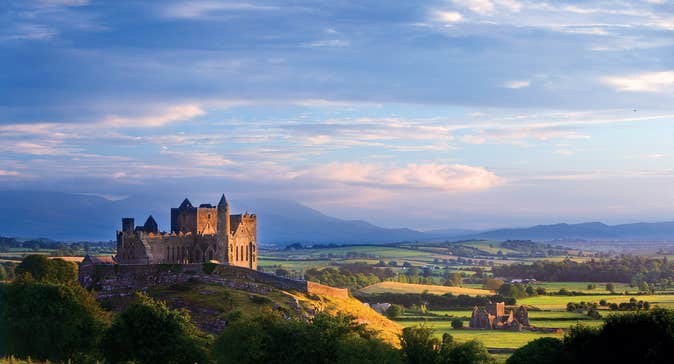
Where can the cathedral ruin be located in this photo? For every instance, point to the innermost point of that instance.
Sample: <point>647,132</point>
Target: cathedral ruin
<point>198,235</point>
<point>493,317</point>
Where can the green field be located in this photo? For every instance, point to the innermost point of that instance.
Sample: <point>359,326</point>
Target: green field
<point>490,338</point>
<point>582,287</point>
<point>559,302</point>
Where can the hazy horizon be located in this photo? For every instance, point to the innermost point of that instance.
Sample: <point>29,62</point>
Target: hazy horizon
<point>448,114</point>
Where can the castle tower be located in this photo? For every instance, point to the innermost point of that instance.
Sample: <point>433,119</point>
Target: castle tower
<point>224,225</point>
<point>224,228</point>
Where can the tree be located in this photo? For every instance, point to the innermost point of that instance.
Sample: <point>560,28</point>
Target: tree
<point>271,338</point>
<point>493,284</point>
<point>44,269</point>
<point>470,352</point>
<point>453,279</point>
<point>50,321</point>
<point>547,350</point>
<point>395,311</point>
<point>610,287</point>
<point>512,290</point>
<point>149,332</point>
<point>3,273</point>
<point>457,323</point>
<point>418,346</point>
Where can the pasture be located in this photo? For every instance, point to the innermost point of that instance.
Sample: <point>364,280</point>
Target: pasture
<point>559,302</point>
<point>396,287</point>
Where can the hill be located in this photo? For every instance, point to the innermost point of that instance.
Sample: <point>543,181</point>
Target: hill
<point>590,231</point>
<point>397,287</point>
<point>212,305</point>
<point>63,216</point>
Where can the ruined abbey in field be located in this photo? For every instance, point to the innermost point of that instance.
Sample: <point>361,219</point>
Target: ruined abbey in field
<point>198,235</point>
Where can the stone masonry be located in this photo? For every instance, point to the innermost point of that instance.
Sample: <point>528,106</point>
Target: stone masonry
<point>198,234</point>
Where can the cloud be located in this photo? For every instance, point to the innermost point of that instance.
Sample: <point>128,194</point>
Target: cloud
<point>517,135</point>
<point>517,84</point>
<point>6,173</point>
<point>447,16</point>
<point>476,6</point>
<point>165,116</point>
<point>327,43</point>
<point>207,9</point>
<point>642,82</point>
<point>441,177</point>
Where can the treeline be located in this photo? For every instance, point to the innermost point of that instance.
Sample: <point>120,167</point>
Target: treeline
<point>67,248</point>
<point>352,276</point>
<point>446,301</point>
<point>621,269</point>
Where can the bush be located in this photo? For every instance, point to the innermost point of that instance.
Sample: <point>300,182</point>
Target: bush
<point>492,284</point>
<point>44,269</point>
<point>50,321</point>
<point>259,300</point>
<point>457,323</point>
<point>325,339</point>
<point>395,311</point>
<point>544,350</point>
<point>149,332</point>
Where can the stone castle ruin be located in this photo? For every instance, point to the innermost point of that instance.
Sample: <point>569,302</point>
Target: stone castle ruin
<point>147,257</point>
<point>198,235</point>
<point>493,317</point>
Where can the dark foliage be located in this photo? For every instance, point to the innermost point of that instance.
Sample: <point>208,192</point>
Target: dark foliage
<point>622,269</point>
<point>352,276</point>
<point>641,337</point>
<point>49,321</point>
<point>44,269</point>
<point>547,350</point>
<point>149,332</point>
<point>325,339</point>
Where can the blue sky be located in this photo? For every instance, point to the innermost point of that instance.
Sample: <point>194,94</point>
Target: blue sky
<point>475,114</point>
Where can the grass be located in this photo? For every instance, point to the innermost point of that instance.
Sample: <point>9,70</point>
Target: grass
<point>396,287</point>
<point>582,287</point>
<point>559,302</point>
<point>490,338</point>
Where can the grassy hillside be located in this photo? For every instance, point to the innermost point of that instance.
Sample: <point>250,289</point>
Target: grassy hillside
<point>211,306</point>
<point>397,287</point>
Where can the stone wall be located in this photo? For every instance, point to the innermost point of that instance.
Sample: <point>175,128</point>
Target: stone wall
<point>323,290</point>
<point>122,279</point>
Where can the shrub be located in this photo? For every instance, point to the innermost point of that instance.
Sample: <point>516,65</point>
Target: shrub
<point>457,323</point>
<point>395,311</point>
<point>50,321</point>
<point>149,332</point>
<point>44,269</point>
<point>544,350</point>
<point>260,300</point>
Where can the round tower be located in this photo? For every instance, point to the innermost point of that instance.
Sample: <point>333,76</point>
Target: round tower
<point>224,226</point>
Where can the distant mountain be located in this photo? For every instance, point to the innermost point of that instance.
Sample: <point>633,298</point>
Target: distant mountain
<point>589,231</point>
<point>63,216</point>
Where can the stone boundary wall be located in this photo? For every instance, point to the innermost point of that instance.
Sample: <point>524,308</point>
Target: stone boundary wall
<point>321,289</point>
<point>122,279</point>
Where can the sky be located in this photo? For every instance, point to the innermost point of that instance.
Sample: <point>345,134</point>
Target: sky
<point>464,114</point>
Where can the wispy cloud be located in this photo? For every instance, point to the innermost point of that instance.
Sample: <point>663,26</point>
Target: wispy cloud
<point>517,84</point>
<point>642,82</point>
<point>164,116</point>
<point>447,16</point>
<point>450,178</point>
<point>208,9</point>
